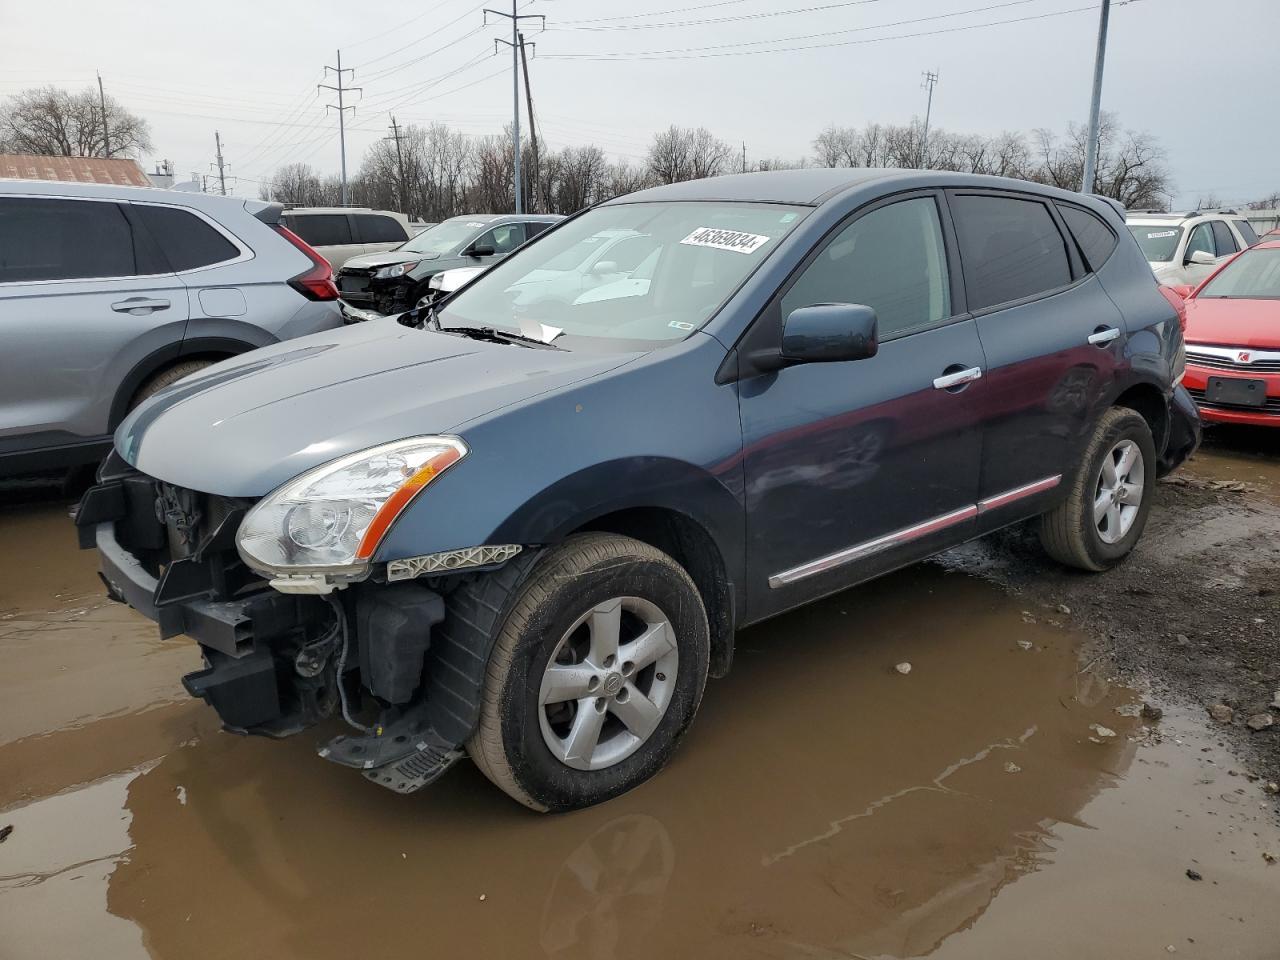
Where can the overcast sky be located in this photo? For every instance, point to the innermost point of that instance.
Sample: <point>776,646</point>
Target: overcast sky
<point>1200,76</point>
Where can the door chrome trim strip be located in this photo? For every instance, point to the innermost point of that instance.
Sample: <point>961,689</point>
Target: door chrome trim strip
<point>1017,493</point>
<point>870,547</point>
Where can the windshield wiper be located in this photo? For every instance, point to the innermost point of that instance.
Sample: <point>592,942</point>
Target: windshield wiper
<point>492,334</point>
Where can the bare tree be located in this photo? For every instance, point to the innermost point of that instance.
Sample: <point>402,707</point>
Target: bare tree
<point>297,184</point>
<point>52,122</point>
<point>678,154</point>
<point>1270,202</point>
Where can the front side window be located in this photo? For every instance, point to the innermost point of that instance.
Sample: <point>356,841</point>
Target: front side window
<point>63,240</point>
<point>1158,242</point>
<point>699,253</point>
<point>321,229</point>
<point>186,241</point>
<point>1011,249</point>
<point>1095,239</point>
<point>1201,241</point>
<point>891,259</point>
<point>1223,239</point>
<point>1254,275</point>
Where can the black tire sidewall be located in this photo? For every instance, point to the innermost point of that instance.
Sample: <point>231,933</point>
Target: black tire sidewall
<point>543,777</point>
<point>1131,427</point>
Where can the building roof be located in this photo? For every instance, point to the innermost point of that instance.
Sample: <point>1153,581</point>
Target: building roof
<point>21,166</point>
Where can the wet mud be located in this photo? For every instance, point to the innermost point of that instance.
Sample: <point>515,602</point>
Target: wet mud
<point>1002,799</point>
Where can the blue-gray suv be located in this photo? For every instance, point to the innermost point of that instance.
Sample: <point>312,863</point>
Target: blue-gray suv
<point>525,524</point>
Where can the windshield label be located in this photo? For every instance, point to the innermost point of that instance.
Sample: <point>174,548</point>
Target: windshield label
<point>725,240</point>
<point>1162,234</point>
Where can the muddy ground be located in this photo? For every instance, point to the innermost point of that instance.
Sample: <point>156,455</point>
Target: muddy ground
<point>1003,799</point>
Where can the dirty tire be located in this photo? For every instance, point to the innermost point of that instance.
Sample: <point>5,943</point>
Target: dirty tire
<point>569,580</point>
<point>1068,532</point>
<point>168,376</point>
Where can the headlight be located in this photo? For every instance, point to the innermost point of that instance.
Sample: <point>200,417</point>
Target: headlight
<point>396,270</point>
<point>331,519</point>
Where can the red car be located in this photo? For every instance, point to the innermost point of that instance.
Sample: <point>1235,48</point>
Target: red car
<point>1233,339</point>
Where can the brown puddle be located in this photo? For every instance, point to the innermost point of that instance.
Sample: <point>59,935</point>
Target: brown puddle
<point>822,806</point>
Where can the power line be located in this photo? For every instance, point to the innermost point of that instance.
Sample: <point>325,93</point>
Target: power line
<point>434,33</point>
<point>736,18</point>
<point>342,109</point>
<point>660,13</point>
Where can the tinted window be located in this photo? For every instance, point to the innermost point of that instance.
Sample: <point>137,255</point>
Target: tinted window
<point>892,259</point>
<point>321,229</point>
<point>503,239</point>
<point>1246,232</point>
<point>535,227</point>
<point>1201,240</point>
<point>1093,236</point>
<point>375,228</point>
<point>1011,249</point>
<point>186,240</point>
<point>1223,238</point>
<point>63,240</point>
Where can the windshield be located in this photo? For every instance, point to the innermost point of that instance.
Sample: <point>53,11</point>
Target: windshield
<point>443,237</point>
<point>667,268</point>
<point>1254,275</point>
<point>1157,241</point>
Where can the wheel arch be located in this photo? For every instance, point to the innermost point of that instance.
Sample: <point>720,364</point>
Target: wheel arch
<point>1149,401</point>
<point>214,348</point>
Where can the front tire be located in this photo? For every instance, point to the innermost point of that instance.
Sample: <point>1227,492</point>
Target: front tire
<point>1109,496</point>
<point>595,674</point>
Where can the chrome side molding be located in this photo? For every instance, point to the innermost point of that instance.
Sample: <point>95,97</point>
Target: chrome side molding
<point>869,548</point>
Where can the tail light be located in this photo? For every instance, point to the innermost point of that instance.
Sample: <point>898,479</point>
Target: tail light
<point>1178,303</point>
<point>316,283</point>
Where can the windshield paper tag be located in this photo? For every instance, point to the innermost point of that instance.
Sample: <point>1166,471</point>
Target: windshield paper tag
<point>1162,234</point>
<point>725,240</point>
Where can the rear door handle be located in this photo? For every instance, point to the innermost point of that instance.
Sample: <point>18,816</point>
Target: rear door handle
<point>1104,335</point>
<point>139,305</point>
<point>958,378</point>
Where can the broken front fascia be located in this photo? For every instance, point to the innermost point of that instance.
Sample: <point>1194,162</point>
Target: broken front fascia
<point>407,569</point>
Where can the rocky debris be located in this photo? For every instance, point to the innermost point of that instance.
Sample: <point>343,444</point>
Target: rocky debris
<point>1183,639</point>
<point>1275,703</point>
<point>1028,617</point>
<point>1012,767</point>
<point>1130,710</point>
<point>1151,712</point>
<point>1025,644</point>
<point>1063,609</point>
<point>1268,856</point>
<point>903,668</point>
<point>5,831</point>
<point>1260,721</point>
<point>1222,713</point>
<point>1215,486</point>
<point>1272,788</point>
<point>1193,874</point>
<point>1105,733</point>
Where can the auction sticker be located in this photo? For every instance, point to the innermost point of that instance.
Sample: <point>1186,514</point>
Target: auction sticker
<point>725,240</point>
<point>1162,234</point>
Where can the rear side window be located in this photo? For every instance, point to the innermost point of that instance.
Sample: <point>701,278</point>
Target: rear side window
<point>1092,235</point>
<point>1011,249</point>
<point>892,260</point>
<point>503,239</point>
<point>64,240</point>
<point>535,227</point>
<point>376,228</point>
<point>321,229</point>
<point>1224,239</point>
<point>1246,232</point>
<point>187,241</point>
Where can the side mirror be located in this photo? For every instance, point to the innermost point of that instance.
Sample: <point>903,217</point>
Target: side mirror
<point>829,332</point>
<point>479,250</point>
<point>603,267</point>
<point>1183,290</point>
<point>1202,257</point>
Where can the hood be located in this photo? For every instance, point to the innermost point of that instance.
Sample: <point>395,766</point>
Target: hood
<point>245,426</point>
<point>371,261</point>
<point>1234,323</point>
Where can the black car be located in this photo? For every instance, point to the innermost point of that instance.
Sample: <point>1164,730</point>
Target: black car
<point>529,529</point>
<point>393,281</point>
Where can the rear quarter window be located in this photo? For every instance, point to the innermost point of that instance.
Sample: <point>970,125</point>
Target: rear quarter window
<point>1092,235</point>
<point>186,241</point>
<point>376,228</point>
<point>1224,239</point>
<point>1011,248</point>
<point>321,229</point>
<point>1246,232</point>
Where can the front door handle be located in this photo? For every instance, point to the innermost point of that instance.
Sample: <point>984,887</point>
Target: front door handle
<point>1104,335</point>
<point>957,379</point>
<point>139,306</point>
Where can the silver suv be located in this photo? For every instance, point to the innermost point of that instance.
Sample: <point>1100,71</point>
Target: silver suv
<point>109,293</point>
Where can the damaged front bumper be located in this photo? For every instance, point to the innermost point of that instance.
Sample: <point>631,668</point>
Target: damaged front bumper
<point>275,663</point>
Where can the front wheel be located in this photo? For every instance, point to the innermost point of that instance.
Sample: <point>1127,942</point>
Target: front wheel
<point>1109,497</point>
<point>596,673</point>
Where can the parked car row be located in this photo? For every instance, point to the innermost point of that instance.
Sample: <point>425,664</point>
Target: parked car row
<point>529,529</point>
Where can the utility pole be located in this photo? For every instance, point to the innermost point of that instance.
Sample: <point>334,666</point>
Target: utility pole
<point>1095,104</point>
<point>222,173</point>
<point>404,195</point>
<point>930,80</point>
<point>106,134</point>
<point>342,108</point>
<point>533,130</point>
<point>514,44</point>
<point>744,156</point>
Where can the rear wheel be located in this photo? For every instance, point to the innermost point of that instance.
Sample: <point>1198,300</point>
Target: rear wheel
<point>1109,496</point>
<point>595,675</point>
<point>167,376</point>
